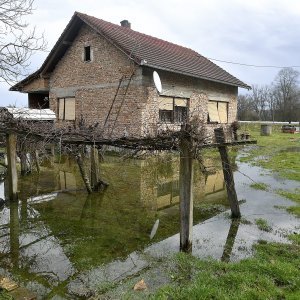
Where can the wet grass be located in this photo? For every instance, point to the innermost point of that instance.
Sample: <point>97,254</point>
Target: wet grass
<point>275,152</point>
<point>294,196</point>
<point>4,295</point>
<point>259,186</point>
<point>263,225</point>
<point>272,273</point>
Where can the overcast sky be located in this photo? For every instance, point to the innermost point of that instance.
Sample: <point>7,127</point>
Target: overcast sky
<point>256,32</point>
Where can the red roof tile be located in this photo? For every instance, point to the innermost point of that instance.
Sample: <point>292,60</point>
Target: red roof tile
<point>143,49</point>
<point>160,54</point>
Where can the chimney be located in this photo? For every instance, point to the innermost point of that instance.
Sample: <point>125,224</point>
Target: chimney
<point>126,24</point>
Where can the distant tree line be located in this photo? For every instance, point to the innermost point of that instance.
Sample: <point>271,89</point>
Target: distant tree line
<point>278,101</point>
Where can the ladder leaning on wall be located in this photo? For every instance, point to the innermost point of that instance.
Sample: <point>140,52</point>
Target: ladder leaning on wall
<point>116,106</point>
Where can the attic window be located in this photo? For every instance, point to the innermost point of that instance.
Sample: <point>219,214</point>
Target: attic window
<point>87,53</point>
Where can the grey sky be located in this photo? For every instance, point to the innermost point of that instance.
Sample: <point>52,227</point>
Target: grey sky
<point>260,32</point>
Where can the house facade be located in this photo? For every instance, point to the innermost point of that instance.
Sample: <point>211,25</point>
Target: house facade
<point>101,74</point>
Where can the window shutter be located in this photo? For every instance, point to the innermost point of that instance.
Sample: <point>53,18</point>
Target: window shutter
<point>213,112</point>
<point>180,102</point>
<point>165,103</point>
<point>61,108</point>
<point>222,108</point>
<point>70,109</point>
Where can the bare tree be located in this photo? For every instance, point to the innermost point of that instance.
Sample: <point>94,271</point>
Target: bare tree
<point>260,100</point>
<point>246,109</point>
<point>286,91</point>
<point>17,39</point>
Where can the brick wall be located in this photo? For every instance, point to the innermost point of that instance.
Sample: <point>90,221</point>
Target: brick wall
<point>198,91</point>
<point>94,85</point>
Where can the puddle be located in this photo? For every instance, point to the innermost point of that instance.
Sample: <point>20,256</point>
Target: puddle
<point>68,244</point>
<point>291,149</point>
<point>48,239</point>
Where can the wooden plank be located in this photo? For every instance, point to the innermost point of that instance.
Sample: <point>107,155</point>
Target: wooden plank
<point>228,174</point>
<point>11,144</point>
<point>186,191</point>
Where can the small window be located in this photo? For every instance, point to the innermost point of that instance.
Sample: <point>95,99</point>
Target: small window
<point>173,110</point>
<point>87,53</point>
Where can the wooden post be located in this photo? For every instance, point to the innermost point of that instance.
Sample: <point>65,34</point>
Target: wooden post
<point>23,161</point>
<point>83,173</point>
<point>95,170</point>
<point>228,174</point>
<point>11,144</point>
<point>186,189</point>
<point>52,155</point>
<point>37,161</point>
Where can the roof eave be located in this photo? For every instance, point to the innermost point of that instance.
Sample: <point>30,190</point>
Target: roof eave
<point>243,85</point>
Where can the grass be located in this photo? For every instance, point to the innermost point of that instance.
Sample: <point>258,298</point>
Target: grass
<point>273,273</point>
<point>4,295</point>
<point>294,196</point>
<point>275,152</point>
<point>263,225</point>
<point>259,186</point>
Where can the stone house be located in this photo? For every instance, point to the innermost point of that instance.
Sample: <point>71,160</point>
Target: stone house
<point>101,74</point>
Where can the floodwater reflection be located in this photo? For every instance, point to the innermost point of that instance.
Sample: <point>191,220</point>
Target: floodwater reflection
<point>57,231</point>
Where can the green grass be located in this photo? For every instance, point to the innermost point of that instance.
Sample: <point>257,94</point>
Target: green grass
<point>275,152</point>
<point>294,196</point>
<point>259,186</point>
<point>4,295</point>
<point>263,225</point>
<point>273,273</point>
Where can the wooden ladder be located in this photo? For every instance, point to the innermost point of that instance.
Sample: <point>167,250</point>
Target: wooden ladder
<point>116,106</point>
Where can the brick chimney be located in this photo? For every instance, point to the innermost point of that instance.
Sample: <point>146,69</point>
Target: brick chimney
<point>126,24</point>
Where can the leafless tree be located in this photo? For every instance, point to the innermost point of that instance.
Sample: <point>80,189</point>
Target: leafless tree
<point>286,91</point>
<point>18,40</point>
<point>246,109</point>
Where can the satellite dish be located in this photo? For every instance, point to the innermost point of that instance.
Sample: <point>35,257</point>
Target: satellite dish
<point>157,81</point>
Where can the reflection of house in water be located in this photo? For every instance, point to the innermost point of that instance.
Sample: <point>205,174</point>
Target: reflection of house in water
<point>164,191</point>
<point>54,235</point>
<point>67,180</point>
<point>215,186</point>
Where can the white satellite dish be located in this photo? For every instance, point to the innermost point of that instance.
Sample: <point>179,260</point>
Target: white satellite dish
<point>157,81</point>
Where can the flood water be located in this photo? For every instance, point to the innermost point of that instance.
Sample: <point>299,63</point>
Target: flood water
<point>56,231</point>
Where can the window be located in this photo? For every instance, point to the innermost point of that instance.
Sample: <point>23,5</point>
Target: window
<point>66,109</point>
<point>173,110</point>
<point>87,53</point>
<point>217,112</point>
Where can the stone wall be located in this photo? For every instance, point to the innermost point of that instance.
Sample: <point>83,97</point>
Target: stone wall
<point>198,91</point>
<point>94,85</point>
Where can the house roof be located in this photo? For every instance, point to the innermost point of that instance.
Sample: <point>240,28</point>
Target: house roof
<point>32,114</point>
<point>143,49</point>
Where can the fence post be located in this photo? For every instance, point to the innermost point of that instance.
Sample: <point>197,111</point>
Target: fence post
<point>228,174</point>
<point>95,171</point>
<point>11,145</point>
<point>186,189</point>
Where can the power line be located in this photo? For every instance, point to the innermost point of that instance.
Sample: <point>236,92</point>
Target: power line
<point>251,65</point>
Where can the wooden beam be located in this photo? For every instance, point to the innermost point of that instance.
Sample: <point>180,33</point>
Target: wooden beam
<point>186,190</point>
<point>11,144</point>
<point>228,174</point>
